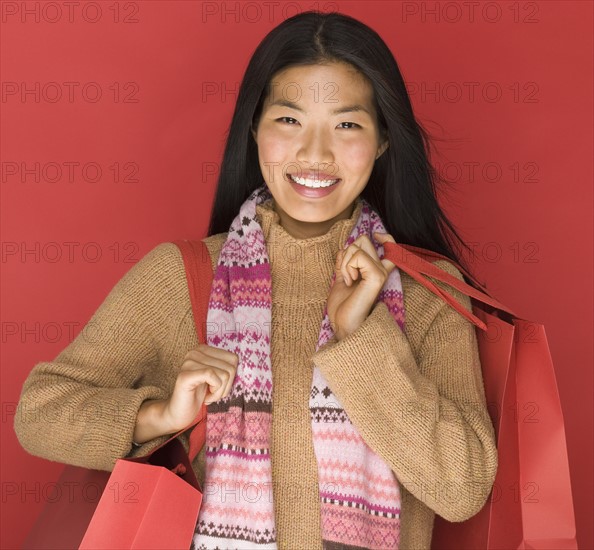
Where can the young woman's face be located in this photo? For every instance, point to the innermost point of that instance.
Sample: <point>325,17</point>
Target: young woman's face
<point>303,133</point>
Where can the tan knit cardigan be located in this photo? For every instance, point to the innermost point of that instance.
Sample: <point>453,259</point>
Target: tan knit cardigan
<point>417,397</point>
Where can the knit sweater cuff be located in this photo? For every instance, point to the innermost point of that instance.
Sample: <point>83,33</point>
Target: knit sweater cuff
<point>103,444</point>
<point>142,395</point>
<point>355,366</point>
<point>83,431</point>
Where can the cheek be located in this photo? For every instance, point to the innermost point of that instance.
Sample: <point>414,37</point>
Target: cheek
<point>359,153</point>
<point>272,146</point>
<point>274,154</point>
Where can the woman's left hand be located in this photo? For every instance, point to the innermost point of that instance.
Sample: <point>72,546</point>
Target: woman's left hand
<point>360,276</point>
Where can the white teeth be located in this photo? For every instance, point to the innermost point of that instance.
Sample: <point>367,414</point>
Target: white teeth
<point>312,183</point>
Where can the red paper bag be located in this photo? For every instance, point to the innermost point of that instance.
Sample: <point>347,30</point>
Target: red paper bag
<point>65,518</point>
<point>150,502</point>
<point>134,506</point>
<point>531,504</point>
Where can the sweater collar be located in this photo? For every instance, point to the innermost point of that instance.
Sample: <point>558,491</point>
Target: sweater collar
<point>335,237</point>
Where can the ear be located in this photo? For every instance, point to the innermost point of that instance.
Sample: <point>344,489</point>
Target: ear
<point>254,130</point>
<point>382,149</point>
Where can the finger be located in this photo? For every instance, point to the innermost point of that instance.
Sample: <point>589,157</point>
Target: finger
<point>228,362</point>
<point>229,384</point>
<point>225,372</point>
<point>347,271</point>
<point>192,378</point>
<point>338,271</point>
<point>390,266</point>
<point>365,244</point>
<point>216,385</point>
<point>213,351</point>
<point>370,270</point>
<point>194,362</point>
<point>383,237</point>
<point>360,243</point>
<point>213,356</point>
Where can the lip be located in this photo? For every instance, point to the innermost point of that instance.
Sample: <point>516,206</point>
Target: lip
<point>313,193</point>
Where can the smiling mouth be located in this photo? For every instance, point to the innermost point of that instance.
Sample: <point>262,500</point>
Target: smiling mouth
<point>313,183</point>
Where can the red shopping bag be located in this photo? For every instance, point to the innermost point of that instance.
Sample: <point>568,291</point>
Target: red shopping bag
<point>151,501</point>
<point>531,504</point>
<point>66,516</point>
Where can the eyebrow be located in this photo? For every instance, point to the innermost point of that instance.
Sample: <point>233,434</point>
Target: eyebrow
<point>346,109</point>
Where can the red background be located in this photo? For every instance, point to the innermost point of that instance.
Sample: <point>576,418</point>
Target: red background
<point>528,206</point>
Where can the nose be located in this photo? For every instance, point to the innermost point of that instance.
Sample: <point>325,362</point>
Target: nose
<point>314,149</point>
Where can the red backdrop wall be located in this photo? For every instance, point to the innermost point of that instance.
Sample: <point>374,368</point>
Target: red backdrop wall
<point>113,121</point>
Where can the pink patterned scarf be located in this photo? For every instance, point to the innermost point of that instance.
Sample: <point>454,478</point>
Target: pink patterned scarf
<point>359,493</point>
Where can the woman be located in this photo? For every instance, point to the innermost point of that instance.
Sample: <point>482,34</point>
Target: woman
<point>345,401</point>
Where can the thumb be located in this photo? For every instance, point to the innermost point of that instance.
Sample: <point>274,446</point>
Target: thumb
<point>383,238</point>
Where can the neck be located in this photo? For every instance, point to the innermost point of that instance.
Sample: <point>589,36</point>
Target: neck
<point>306,230</point>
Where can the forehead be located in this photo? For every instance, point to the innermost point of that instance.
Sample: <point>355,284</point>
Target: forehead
<point>321,83</point>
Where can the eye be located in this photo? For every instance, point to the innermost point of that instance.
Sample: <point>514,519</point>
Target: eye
<point>286,117</point>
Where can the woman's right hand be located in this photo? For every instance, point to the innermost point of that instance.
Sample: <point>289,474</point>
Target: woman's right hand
<point>204,368</point>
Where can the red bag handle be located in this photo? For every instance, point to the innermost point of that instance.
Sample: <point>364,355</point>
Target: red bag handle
<point>411,260</point>
<point>199,276</point>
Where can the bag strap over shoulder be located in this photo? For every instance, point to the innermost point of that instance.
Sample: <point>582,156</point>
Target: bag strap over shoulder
<point>199,276</point>
<point>417,261</point>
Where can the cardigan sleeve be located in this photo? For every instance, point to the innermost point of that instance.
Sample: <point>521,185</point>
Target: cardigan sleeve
<point>81,408</point>
<point>423,411</point>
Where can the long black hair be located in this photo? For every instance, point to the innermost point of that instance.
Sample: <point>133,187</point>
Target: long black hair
<point>402,184</point>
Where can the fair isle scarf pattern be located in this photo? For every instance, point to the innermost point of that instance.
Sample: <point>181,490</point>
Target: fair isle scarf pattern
<point>359,493</point>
